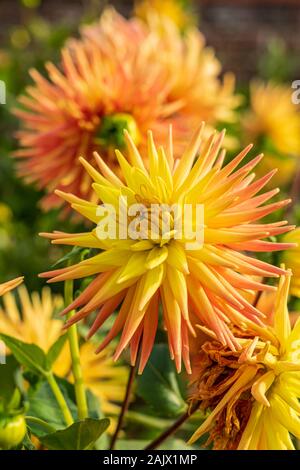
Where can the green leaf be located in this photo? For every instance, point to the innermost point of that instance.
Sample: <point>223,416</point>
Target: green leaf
<point>73,255</point>
<point>8,378</point>
<point>79,436</point>
<point>43,405</point>
<point>55,351</point>
<point>96,413</point>
<point>15,401</point>
<point>28,355</point>
<point>160,385</point>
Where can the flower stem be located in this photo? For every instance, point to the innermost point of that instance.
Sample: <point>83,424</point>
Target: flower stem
<point>75,356</point>
<point>60,399</point>
<point>154,421</point>
<point>172,429</point>
<point>125,405</point>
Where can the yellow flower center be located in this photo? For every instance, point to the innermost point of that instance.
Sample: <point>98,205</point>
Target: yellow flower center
<point>153,221</point>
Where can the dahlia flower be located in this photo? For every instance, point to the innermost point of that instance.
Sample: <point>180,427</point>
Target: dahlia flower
<point>138,271</point>
<point>178,11</point>
<point>292,260</point>
<point>109,80</point>
<point>33,322</point>
<point>7,286</point>
<point>273,124</point>
<point>253,393</point>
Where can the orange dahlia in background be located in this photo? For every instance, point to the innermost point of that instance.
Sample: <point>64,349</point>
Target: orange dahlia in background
<point>121,74</point>
<point>138,274</point>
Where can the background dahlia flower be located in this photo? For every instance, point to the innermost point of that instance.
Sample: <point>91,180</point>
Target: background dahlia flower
<point>273,124</point>
<point>253,393</point>
<point>178,11</point>
<point>9,285</point>
<point>137,274</point>
<point>292,260</point>
<point>32,320</point>
<point>111,79</point>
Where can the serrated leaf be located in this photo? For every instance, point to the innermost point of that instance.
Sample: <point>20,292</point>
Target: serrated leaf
<point>28,355</point>
<point>81,435</point>
<point>160,386</point>
<point>55,351</point>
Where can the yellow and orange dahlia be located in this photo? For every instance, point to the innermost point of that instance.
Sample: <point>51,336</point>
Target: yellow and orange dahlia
<point>138,273</point>
<point>109,80</point>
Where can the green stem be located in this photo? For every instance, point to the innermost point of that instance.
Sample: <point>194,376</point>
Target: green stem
<point>41,422</point>
<point>75,356</point>
<point>60,399</point>
<point>173,429</point>
<point>125,404</point>
<point>154,422</point>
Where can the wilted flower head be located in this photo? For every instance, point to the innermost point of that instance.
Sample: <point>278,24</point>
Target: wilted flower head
<point>273,123</point>
<point>7,286</point>
<point>253,393</point>
<point>32,320</point>
<point>292,260</point>
<point>141,268</point>
<point>110,80</point>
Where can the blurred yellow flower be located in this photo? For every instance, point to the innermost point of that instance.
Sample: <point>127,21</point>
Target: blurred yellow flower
<point>104,377</point>
<point>178,11</point>
<point>7,286</point>
<point>254,393</point>
<point>32,322</point>
<point>273,124</point>
<point>292,260</point>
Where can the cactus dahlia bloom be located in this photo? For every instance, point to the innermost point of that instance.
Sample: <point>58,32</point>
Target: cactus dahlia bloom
<point>178,11</point>
<point>7,286</point>
<point>253,393</point>
<point>273,124</point>
<point>109,80</point>
<point>32,321</point>
<point>138,271</point>
<point>292,260</point>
